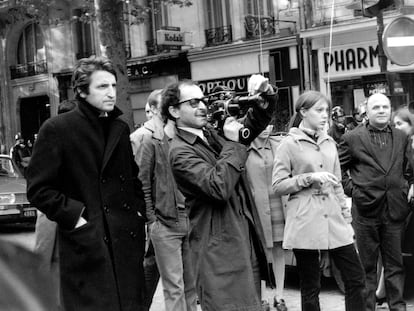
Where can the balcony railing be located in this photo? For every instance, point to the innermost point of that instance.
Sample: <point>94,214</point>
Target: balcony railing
<point>219,35</point>
<point>265,26</point>
<point>28,70</point>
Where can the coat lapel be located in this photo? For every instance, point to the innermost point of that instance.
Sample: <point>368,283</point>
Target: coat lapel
<point>394,149</point>
<point>115,131</point>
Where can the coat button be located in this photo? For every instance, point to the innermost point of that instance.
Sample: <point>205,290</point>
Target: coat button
<point>106,209</point>
<point>106,240</point>
<point>326,216</point>
<point>126,206</point>
<point>122,177</point>
<point>133,234</point>
<point>103,180</point>
<point>320,165</point>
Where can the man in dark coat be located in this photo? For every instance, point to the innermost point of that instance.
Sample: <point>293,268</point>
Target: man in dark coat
<point>83,176</point>
<point>375,155</point>
<point>225,234</point>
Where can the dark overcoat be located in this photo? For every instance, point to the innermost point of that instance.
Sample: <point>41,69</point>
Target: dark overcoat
<point>75,171</point>
<point>224,222</point>
<point>372,183</point>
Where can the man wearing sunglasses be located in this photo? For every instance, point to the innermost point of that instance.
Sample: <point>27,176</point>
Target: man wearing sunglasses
<point>225,238</point>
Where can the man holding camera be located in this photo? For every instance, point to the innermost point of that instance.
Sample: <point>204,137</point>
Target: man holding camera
<point>225,236</point>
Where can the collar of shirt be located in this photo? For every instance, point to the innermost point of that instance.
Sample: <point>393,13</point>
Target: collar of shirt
<point>372,128</point>
<point>197,132</point>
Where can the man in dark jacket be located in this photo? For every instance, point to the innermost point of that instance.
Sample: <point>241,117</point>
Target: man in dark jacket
<point>225,234</point>
<point>83,176</point>
<point>167,217</point>
<point>375,154</point>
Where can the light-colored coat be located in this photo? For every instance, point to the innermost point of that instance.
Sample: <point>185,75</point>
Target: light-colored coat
<point>314,215</point>
<point>259,167</point>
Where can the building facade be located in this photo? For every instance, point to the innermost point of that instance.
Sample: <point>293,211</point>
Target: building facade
<point>325,45</point>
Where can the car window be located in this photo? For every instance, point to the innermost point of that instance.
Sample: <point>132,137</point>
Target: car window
<point>7,168</point>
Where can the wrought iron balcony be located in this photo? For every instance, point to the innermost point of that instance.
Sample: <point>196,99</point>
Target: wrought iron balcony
<point>219,35</point>
<point>28,70</point>
<point>265,26</point>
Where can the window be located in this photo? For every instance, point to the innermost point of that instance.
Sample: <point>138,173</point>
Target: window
<point>31,47</point>
<point>218,22</point>
<point>218,13</point>
<point>84,40</point>
<point>259,18</point>
<point>31,53</point>
<point>159,15</point>
<point>259,7</point>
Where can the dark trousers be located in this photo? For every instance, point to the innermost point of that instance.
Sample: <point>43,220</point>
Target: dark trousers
<point>382,235</point>
<point>151,274</point>
<point>348,263</point>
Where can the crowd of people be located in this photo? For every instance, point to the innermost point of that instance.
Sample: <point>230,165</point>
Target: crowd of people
<point>211,215</point>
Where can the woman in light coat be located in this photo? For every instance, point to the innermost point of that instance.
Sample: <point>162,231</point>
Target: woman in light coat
<point>269,206</point>
<point>306,167</point>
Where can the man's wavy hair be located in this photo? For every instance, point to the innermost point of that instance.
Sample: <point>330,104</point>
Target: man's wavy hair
<point>83,71</point>
<point>171,97</point>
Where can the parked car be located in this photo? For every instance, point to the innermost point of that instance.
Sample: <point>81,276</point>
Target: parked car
<point>14,206</point>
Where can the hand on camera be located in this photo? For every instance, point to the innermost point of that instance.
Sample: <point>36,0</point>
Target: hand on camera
<point>258,84</point>
<point>231,129</point>
<point>324,177</point>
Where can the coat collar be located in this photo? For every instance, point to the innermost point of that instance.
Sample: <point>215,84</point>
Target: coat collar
<point>156,130</point>
<point>115,128</point>
<point>297,134</point>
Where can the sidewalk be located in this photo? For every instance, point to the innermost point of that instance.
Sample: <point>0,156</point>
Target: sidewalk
<point>331,299</point>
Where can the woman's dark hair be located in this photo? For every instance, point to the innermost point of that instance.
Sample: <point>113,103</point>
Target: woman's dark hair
<point>170,96</point>
<point>83,71</point>
<point>306,101</point>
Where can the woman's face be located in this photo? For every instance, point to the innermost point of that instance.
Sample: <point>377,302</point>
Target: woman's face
<point>316,117</point>
<point>402,125</point>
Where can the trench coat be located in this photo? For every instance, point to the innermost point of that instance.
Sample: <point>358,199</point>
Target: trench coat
<point>315,215</point>
<point>74,171</point>
<point>212,183</point>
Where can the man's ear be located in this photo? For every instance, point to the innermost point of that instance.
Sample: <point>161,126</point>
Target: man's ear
<point>81,94</point>
<point>173,110</point>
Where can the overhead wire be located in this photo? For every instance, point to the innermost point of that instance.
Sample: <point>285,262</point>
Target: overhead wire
<point>328,80</point>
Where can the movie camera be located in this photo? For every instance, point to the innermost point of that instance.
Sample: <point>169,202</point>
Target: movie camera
<point>223,103</point>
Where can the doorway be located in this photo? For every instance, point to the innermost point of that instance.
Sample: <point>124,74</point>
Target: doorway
<point>33,112</point>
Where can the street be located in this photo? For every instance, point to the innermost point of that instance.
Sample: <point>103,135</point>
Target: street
<point>331,298</point>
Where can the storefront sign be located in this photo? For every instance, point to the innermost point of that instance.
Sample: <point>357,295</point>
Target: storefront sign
<point>139,71</point>
<point>170,37</point>
<point>237,84</point>
<point>353,59</point>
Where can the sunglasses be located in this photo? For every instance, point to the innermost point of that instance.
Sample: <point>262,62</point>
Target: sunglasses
<point>194,102</point>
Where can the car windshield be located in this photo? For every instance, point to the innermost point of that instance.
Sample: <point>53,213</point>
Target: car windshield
<point>7,168</point>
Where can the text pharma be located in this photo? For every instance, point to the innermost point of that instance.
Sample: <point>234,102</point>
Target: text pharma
<point>351,58</point>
